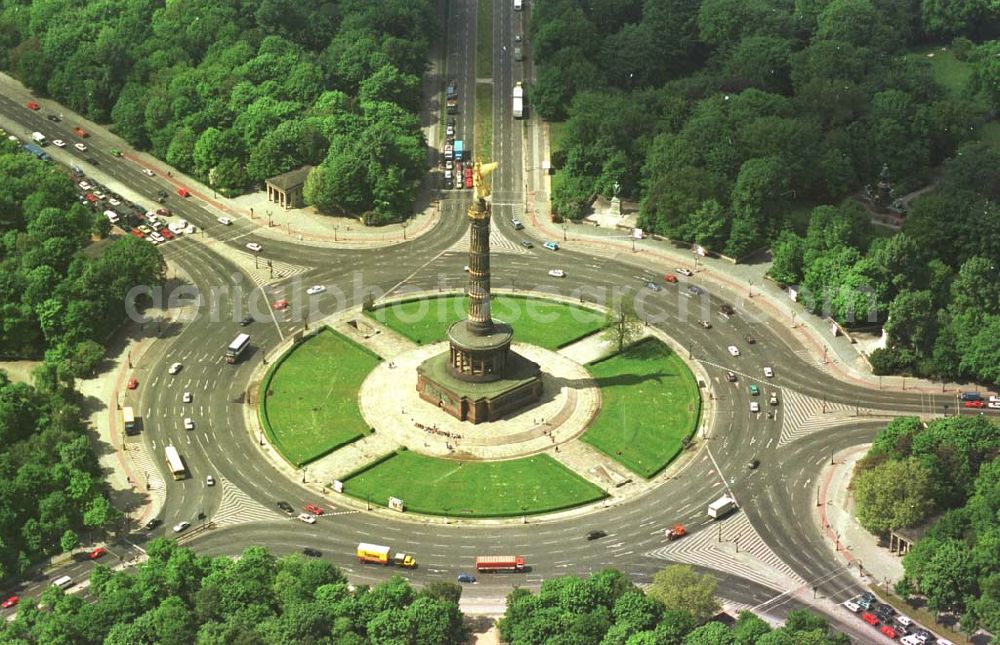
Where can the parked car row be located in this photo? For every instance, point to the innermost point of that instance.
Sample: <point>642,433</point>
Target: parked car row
<point>129,216</point>
<point>891,623</point>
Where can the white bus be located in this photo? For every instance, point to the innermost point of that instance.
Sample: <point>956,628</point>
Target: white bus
<point>130,422</point>
<point>175,464</point>
<point>237,347</point>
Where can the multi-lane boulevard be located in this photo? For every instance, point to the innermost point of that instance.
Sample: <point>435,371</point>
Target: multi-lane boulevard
<point>817,414</point>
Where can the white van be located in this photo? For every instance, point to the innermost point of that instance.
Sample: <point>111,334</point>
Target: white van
<point>517,5</point>
<point>63,582</point>
<point>39,138</point>
<point>112,216</point>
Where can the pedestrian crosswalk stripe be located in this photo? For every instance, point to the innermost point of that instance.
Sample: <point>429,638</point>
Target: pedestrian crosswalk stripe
<point>237,507</point>
<point>802,415</point>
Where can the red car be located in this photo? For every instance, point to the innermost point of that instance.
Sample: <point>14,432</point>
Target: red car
<point>670,277</point>
<point>90,197</point>
<point>974,404</point>
<point>163,211</point>
<point>33,106</point>
<point>183,192</point>
<point>132,383</point>
<point>280,305</point>
<point>96,553</point>
<point>137,233</point>
<point>468,179</point>
<point>315,510</point>
<point>871,619</point>
<point>10,602</point>
<point>888,631</point>
<point>165,232</point>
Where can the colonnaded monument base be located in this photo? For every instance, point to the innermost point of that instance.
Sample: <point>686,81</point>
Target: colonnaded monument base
<point>392,404</point>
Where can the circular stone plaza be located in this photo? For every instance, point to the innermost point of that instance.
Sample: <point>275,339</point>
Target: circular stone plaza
<point>444,411</point>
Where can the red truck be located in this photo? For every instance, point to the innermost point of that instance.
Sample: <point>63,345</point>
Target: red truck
<point>492,563</point>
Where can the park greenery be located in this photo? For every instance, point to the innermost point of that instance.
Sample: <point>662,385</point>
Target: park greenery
<point>944,472</point>
<point>235,93</point>
<point>650,407</point>
<point>57,301</point>
<point>307,417</point>
<point>179,597</point>
<point>740,125</point>
<point>607,607</point>
<point>52,492</point>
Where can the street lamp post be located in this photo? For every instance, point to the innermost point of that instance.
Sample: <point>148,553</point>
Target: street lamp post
<point>336,227</point>
<point>750,289</point>
<point>564,233</point>
<point>405,224</point>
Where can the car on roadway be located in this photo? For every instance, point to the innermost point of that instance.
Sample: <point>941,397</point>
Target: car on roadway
<point>312,508</point>
<point>133,383</point>
<point>552,246</point>
<point>518,38</point>
<point>82,147</point>
<point>518,224</point>
<point>726,310</point>
<point>754,406</point>
<point>59,143</point>
<point>148,172</point>
<point>468,179</point>
<point>695,289</point>
<point>209,480</point>
<point>753,463</point>
<point>753,389</point>
<point>733,350</point>
<point>670,277</point>
<point>731,377</point>
<point>188,423</point>
<point>186,398</point>
<point>975,404</point>
<point>449,130</point>
<point>750,339</point>
<point>466,577</point>
<point>181,526</point>
<point>851,606</point>
<point>33,105</point>
<point>286,507</point>
<point>705,324</point>
<point>175,368</point>
<point>557,273</point>
<point>315,289</point>
<point>255,247</point>
<point>311,552</point>
<point>870,618</point>
<point>652,286</point>
<point>246,321</point>
<point>993,405</point>
<point>97,553</point>
<point>768,372</point>
<point>10,602</point>
<point>225,221</point>
<point>279,305</point>
<point>527,244</point>
<point>596,535</point>
<point>774,399</point>
<point>153,523</point>
<point>307,518</point>
<point>888,631</point>
<point>685,271</point>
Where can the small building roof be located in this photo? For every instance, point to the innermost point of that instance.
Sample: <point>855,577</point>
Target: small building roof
<point>291,179</point>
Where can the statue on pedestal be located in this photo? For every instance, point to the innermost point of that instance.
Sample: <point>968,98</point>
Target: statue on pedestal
<point>616,202</point>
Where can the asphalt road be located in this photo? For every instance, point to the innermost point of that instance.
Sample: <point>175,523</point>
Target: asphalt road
<point>776,498</point>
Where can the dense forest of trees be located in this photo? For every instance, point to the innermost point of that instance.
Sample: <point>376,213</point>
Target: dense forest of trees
<point>52,491</point>
<point>948,470</point>
<point>178,597</point>
<point>745,124</point>
<point>234,92</point>
<point>55,300</point>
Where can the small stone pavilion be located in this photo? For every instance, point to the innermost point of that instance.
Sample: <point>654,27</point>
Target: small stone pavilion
<point>286,189</point>
<point>479,378</point>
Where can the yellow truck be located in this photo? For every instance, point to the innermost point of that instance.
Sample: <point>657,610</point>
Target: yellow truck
<point>378,554</point>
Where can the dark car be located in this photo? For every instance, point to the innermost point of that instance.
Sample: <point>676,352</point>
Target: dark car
<point>153,523</point>
<point>466,577</point>
<point>312,553</point>
<point>596,535</point>
<point>652,286</point>
<point>53,117</point>
<point>526,244</point>
<point>753,463</point>
<point>695,289</point>
<point>246,321</point>
<point>868,596</point>
<point>285,506</point>
<point>750,339</point>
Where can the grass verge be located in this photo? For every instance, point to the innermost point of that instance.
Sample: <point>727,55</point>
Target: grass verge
<point>484,39</point>
<point>649,406</point>
<point>435,486</point>
<point>539,322</point>
<point>484,121</point>
<point>309,398</point>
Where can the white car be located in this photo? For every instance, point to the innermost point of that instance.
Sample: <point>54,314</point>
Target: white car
<point>156,238</point>
<point>557,273</point>
<point>225,221</point>
<point>148,172</point>
<point>315,289</point>
<point>253,246</point>
<point>114,202</point>
<point>768,372</point>
<point>186,398</point>
<point>307,518</point>
<point>683,271</point>
<point>85,185</point>
<point>734,350</point>
<point>176,367</point>
<point>82,147</point>
<point>774,399</point>
<point>180,527</point>
<point>209,481</point>
<point>754,406</point>
<point>188,423</point>
<point>851,606</point>
<point>994,404</point>
<point>59,143</point>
